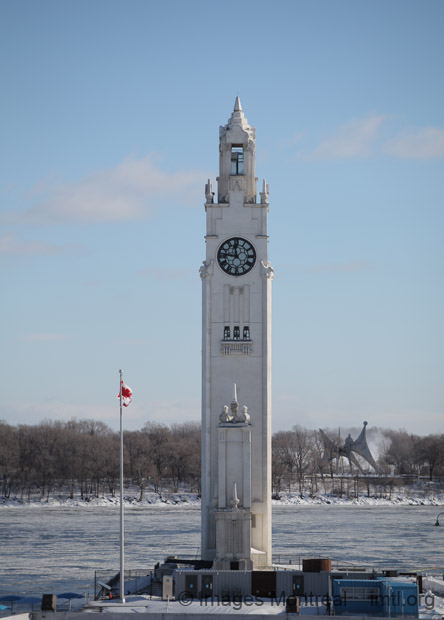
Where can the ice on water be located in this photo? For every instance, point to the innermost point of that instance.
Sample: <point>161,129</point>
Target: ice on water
<point>58,548</point>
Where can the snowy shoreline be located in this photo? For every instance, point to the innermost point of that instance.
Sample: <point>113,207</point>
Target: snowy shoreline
<point>191,500</point>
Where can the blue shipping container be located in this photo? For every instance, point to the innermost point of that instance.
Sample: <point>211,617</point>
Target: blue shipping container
<point>380,597</point>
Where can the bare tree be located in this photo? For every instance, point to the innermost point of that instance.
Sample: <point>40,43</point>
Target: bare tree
<point>317,464</point>
<point>184,448</point>
<point>84,455</point>
<point>25,459</point>
<point>430,450</point>
<point>137,444</point>
<point>301,446</point>
<point>277,466</point>
<point>401,452</point>
<point>158,436</point>
<point>8,458</point>
<point>283,452</point>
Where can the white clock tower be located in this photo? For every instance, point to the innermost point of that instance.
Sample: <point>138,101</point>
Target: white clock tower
<point>236,360</point>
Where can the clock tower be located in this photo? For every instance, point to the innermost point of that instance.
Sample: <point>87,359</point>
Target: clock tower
<point>236,359</point>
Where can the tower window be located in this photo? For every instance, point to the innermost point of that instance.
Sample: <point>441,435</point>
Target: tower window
<point>237,160</point>
<point>246,333</point>
<point>236,332</point>
<point>226,332</point>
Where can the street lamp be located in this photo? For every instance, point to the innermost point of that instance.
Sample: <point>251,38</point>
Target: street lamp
<point>437,522</point>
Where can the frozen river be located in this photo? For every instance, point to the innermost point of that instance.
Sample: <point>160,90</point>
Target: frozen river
<point>53,549</point>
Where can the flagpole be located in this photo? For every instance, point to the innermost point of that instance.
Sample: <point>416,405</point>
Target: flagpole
<point>122,553</point>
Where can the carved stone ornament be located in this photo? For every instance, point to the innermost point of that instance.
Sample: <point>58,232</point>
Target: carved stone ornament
<point>244,416</point>
<point>267,270</point>
<point>207,269</point>
<point>234,409</point>
<point>264,193</point>
<point>237,135</point>
<point>231,415</point>
<point>209,194</point>
<point>234,500</point>
<point>250,144</point>
<point>225,416</point>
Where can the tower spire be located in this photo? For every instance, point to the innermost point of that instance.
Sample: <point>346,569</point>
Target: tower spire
<point>237,116</point>
<point>236,157</point>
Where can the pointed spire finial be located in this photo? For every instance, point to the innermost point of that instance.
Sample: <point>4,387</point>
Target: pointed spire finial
<point>234,404</point>
<point>235,500</point>
<point>237,116</point>
<point>264,192</point>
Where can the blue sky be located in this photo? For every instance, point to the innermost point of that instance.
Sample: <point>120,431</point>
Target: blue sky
<point>110,117</point>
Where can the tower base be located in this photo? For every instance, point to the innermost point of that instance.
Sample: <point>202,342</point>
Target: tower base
<point>227,564</point>
<point>233,540</point>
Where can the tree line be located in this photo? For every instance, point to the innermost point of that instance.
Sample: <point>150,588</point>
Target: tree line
<point>299,463</point>
<point>81,458</point>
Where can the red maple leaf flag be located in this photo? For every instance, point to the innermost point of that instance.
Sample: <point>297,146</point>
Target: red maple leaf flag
<point>127,394</point>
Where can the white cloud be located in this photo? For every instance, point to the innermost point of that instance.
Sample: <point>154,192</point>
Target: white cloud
<point>33,413</point>
<point>425,143</point>
<point>176,411</point>
<point>354,139</point>
<point>291,141</point>
<point>13,246</point>
<point>357,138</point>
<point>129,191</point>
<point>136,415</point>
<point>293,409</point>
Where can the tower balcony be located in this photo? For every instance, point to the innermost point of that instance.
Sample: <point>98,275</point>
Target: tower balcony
<point>236,347</point>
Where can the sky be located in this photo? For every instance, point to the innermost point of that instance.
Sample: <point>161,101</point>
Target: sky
<point>110,115</point>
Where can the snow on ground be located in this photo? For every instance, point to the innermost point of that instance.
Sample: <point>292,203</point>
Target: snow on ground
<point>248,606</point>
<point>397,499</point>
<point>434,585</point>
<point>438,609</point>
<point>432,599</point>
<point>400,498</point>
<point>432,607</point>
<point>150,499</point>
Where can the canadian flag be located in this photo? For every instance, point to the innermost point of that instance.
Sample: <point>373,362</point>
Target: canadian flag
<point>127,394</point>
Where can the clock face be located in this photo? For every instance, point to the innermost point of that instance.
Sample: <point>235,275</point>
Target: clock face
<point>236,256</point>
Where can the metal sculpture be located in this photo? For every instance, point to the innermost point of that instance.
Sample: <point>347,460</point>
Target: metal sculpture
<point>333,449</point>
